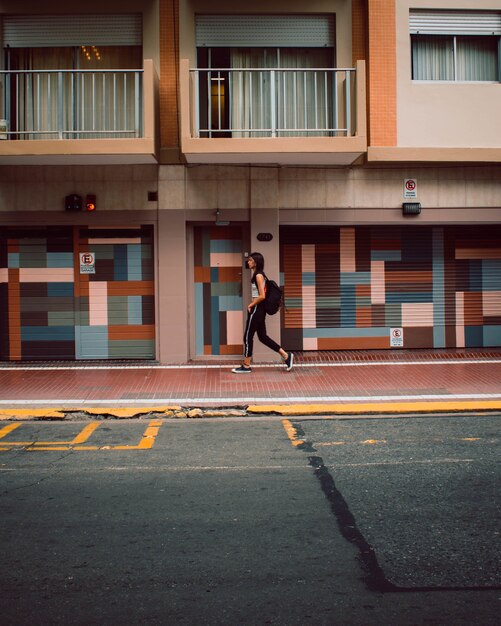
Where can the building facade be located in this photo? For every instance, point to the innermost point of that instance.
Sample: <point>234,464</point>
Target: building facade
<point>147,146</point>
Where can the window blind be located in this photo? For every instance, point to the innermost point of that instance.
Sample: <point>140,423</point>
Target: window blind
<point>455,22</point>
<point>53,31</point>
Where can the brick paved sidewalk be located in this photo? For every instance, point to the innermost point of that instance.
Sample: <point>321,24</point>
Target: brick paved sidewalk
<point>332,377</point>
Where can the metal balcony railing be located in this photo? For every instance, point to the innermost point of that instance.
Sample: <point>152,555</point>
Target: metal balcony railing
<point>279,102</point>
<point>71,104</point>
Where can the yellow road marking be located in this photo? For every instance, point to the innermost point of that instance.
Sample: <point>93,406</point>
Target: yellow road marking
<point>365,408</point>
<point>82,437</point>
<point>125,412</point>
<point>291,433</point>
<point>86,433</point>
<point>8,429</point>
<point>147,441</point>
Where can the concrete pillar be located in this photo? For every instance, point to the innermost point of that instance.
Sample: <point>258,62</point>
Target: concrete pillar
<point>172,327</point>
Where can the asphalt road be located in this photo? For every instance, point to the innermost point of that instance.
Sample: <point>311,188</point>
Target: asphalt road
<point>253,521</point>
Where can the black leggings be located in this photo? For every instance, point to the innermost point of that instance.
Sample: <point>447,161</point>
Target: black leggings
<point>256,322</point>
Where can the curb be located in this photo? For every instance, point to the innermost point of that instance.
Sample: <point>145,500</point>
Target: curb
<point>286,410</point>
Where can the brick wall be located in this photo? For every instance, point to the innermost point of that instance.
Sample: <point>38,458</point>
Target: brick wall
<point>169,65</point>
<point>382,73</point>
<point>359,30</point>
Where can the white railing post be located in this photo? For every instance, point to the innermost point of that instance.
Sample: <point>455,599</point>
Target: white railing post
<point>273,104</point>
<point>348,101</point>
<point>60,104</point>
<point>196,96</point>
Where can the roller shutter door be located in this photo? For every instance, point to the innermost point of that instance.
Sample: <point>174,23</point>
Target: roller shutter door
<point>262,31</point>
<point>36,294</point>
<point>53,309</point>
<point>382,287</point>
<point>116,301</point>
<point>51,31</point>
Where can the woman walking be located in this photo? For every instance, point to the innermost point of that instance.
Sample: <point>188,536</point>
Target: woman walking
<point>256,318</point>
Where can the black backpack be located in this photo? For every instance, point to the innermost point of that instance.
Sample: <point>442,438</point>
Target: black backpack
<point>273,299</point>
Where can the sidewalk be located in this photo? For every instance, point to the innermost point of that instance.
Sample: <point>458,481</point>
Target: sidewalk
<point>347,383</point>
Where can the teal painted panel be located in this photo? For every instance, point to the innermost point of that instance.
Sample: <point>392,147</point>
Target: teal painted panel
<point>438,288</point>
<point>393,315</point>
<point>60,259</point>
<point>134,262</point>
<point>118,310</point>
<point>13,260</point>
<point>135,309</point>
<point>47,333</point>
<point>225,289</point>
<point>230,303</point>
<point>492,336</point>
<point>132,349</point>
<point>328,302</point>
<point>225,245</point>
<point>199,318</point>
<point>386,255</point>
<point>491,274</point>
<point>308,279</point>
<point>61,318</point>
<point>355,278</point>
<point>60,290</point>
<point>92,342</point>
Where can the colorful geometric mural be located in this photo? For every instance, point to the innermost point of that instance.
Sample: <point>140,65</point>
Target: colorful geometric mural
<point>115,306</point>
<point>36,293</point>
<point>49,309</point>
<point>218,266</point>
<point>348,287</point>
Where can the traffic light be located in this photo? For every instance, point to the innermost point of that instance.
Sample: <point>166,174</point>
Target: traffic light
<point>73,202</point>
<point>90,202</point>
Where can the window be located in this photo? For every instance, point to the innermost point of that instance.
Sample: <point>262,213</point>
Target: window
<point>267,75</point>
<point>460,58</point>
<point>71,76</point>
<point>250,100</point>
<point>455,46</point>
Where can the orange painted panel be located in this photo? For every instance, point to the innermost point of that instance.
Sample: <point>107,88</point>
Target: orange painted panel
<point>230,274</point>
<point>473,311</point>
<point>363,291</point>
<point>202,274</point>
<point>231,349</point>
<point>131,288</point>
<point>364,317</point>
<point>354,343</point>
<point>125,331</point>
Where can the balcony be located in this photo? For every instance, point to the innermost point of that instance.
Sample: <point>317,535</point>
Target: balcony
<point>78,116</point>
<point>284,116</point>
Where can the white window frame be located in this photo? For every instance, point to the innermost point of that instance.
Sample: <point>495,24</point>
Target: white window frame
<point>455,24</point>
<point>455,78</point>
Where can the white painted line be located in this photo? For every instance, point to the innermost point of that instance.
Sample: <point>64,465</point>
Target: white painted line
<point>234,400</point>
<point>229,366</point>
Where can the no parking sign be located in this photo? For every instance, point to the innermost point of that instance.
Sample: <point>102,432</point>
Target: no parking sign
<point>87,263</point>
<point>410,188</point>
<point>396,337</point>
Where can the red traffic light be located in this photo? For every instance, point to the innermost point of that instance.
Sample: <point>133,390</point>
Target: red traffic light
<point>90,202</point>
